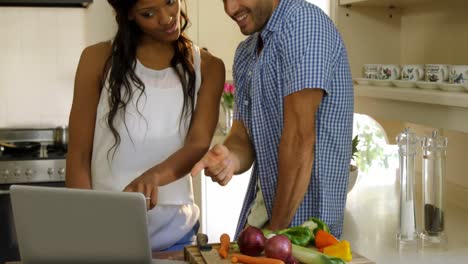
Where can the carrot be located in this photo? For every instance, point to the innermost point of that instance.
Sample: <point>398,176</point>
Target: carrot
<point>235,258</point>
<point>324,239</point>
<point>225,241</point>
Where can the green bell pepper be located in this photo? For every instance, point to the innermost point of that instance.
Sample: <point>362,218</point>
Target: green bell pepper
<point>298,235</point>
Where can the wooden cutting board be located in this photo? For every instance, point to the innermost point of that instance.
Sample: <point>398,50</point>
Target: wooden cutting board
<point>192,255</point>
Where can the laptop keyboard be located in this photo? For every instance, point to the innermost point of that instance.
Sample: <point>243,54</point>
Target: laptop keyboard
<point>167,261</point>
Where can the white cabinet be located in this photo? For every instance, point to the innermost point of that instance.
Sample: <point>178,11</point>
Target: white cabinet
<point>215,30</point>
<point>192,12</point>
<point>411,32</point>
<point>100,22</point>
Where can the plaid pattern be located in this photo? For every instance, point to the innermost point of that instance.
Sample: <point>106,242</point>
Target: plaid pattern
<point>302,49</point>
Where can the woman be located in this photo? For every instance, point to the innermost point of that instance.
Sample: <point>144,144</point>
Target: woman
<point>144,111</point>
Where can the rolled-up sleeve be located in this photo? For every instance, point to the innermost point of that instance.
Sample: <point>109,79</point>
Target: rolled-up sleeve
<point>310,51</point>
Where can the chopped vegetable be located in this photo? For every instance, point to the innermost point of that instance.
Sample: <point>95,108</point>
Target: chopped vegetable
<point>225,241</point>
<point>235,258</point>
<point>315,224</point>
<point>324,239</point>
<point>312,256</point>
<point>311,225</point>
<point>341,250</point>
<point>268,233</point>
<point>298,235</point>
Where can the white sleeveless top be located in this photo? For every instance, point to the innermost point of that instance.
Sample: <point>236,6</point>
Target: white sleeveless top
<point>152,133</point>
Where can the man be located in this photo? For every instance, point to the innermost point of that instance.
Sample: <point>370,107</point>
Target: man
<point>294,116</point>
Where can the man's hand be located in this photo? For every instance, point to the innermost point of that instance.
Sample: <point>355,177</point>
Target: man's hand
<point>219,164</point>
<point>146,184</point>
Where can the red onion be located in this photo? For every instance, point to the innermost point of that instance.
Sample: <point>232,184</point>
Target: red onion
<point>278,247</point>
<point>291,260</point>
<point>251,241</point>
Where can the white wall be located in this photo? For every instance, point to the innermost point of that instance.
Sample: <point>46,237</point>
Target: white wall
<point>39,50</point>
<point>218,32</point>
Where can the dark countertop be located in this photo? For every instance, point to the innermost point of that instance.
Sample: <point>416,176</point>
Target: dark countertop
<point>170,255</point>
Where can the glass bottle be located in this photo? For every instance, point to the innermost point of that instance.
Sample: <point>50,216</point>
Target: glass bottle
<point>407,237</point>
<point>434,151</point>
<point>228,118</point>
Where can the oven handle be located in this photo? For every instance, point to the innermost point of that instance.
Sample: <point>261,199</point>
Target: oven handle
<point>4,192</point>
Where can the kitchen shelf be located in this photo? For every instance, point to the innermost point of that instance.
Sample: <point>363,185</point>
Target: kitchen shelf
<point>438,97</point>
<point>433,108</point>
<point>387,3</point>
<point>412,32</point>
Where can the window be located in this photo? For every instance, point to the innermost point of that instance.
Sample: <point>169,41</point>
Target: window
<point>376,160</point>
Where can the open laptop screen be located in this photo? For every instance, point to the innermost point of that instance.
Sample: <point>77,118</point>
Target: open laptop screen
<point>60,225</point>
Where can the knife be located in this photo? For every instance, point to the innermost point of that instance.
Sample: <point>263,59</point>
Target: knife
<point>209,254</point>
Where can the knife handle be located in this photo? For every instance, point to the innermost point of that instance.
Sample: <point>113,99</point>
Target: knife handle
<point>202,242</point>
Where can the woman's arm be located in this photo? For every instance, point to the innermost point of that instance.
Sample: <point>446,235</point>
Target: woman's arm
<point>83,115</point>
<point>198,139</point>
<point>204,121</point>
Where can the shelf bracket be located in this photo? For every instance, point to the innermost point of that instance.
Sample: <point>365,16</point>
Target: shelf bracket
<point>390,9</point>
<point>348,7</point>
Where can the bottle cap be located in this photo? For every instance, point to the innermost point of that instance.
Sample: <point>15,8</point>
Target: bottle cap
<point>435,141</point>
<point>407,141</point>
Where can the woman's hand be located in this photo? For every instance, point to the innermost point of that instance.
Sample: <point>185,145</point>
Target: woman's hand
<point>147,184</point>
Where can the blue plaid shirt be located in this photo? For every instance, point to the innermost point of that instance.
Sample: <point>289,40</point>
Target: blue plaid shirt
<point>302,49</point>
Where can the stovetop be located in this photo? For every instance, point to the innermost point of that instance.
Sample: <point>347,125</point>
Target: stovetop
<point>45,152</point>
<point>40,161</point>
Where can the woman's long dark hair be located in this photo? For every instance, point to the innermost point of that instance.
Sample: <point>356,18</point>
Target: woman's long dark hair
<point>120,66</point>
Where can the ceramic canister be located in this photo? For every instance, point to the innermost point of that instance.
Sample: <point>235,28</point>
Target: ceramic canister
<point>371,71</point>
<point>412,72</point>
<point>458,73</point>
<point>389,72</point>
<point>436,72</point>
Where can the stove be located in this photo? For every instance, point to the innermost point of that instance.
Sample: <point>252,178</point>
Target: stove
<point>36,158</point>
<point>29,157</point>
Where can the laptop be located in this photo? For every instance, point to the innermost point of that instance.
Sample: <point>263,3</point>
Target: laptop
<point>60,225</point>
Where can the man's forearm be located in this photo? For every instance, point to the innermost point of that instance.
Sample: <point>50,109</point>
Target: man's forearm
<point>296,157</point>
<point>242,151</point>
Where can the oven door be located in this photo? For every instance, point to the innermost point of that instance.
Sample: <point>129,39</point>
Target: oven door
<point>8,243</point>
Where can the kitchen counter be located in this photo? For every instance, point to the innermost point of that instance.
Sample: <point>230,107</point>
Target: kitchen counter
<point>169,257</point>
<point>371,224</point>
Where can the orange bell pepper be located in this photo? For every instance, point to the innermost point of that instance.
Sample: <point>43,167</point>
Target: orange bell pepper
<point>324,239</point>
